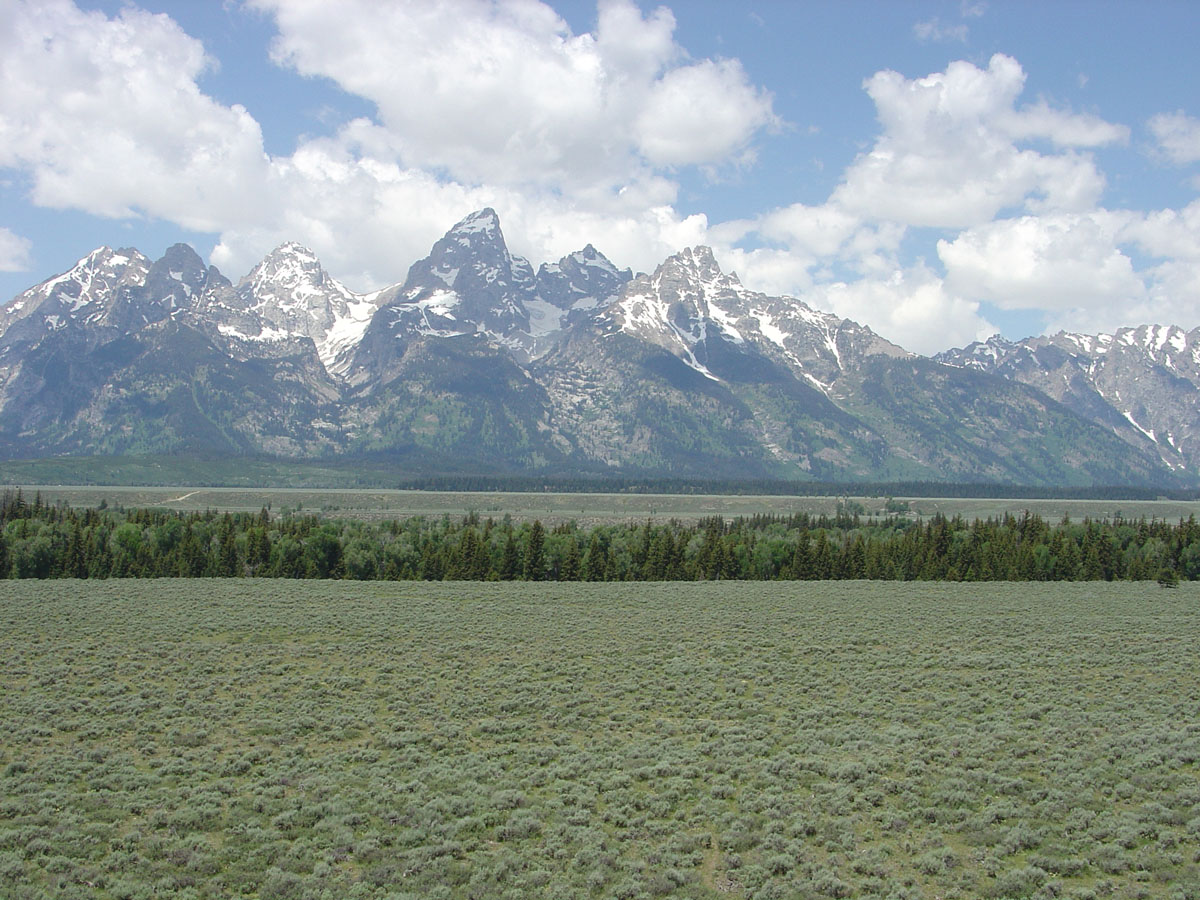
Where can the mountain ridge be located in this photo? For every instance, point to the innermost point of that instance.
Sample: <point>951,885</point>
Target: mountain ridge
<point>1143,382</point>
<point>479,360</point>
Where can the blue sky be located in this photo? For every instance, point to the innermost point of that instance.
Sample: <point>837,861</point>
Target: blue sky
<point>937,170</point>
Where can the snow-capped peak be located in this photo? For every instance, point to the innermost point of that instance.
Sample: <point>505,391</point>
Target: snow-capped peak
<point>472,264</point>
<point>85,289</point>
<point>688,301</point>
<point>591,257</point>
<point>290,295</point>
<point>293,249</point>
<point>483,222</point>
<point>292,275</point>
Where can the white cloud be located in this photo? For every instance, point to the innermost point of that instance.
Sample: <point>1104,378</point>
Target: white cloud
<point>1052,262</point>
<point>1065,129</point>
<point>950,155</point>
<point>910,307</point>
<point>1079,268</point>
<point>105,116</point>
<point>770,271</point>
<point>503,93</point>
<point>701,114</point>
<point>14,251</point>
<point>1168,233</point>
<point>1178,136</point>
<point>818,231</point>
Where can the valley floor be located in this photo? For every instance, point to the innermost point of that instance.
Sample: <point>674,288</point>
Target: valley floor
<point>237,738</point>
<point>584,508</point>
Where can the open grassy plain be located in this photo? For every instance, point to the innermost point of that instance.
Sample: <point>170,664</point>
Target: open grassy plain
<point>238,738</point>
<point>583,508</point>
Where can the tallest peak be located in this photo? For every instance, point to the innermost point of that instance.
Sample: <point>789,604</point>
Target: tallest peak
<point>484,220</point>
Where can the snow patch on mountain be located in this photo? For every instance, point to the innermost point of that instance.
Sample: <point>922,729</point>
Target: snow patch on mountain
<point>545,318</point>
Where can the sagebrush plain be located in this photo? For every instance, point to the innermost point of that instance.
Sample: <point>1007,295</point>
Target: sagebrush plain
<point>205,738</point>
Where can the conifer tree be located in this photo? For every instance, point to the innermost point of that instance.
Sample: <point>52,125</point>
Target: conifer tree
<point>593,559</point>
<point>569,569</point>
<point>535,553</point>
<point>510,559</point>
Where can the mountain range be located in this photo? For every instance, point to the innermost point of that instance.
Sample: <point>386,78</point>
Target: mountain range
<point>477,362</point>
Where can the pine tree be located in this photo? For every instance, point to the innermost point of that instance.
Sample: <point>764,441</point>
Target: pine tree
<point>593,559</point>
<point>802,560</point>
<point>535,553</point>
<point>569,569</point>
<point>510,559</point>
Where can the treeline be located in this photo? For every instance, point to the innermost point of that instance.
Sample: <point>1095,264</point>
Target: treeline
<point>56,541</point>
<point>387,472</point>
<point>609,484</point>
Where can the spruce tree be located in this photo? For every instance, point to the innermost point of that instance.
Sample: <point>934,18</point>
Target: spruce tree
<point>535,553</point>
<point>510,560</point>
<point>593,559</point>
<point>569,569</point>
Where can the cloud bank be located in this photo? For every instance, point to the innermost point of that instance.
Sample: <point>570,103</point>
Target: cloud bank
<point>584,137</point>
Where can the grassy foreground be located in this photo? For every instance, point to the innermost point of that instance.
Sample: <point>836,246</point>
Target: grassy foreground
<point>236,738</point>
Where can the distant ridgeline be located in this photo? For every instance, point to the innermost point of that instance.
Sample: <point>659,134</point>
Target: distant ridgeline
<point>43,541</point>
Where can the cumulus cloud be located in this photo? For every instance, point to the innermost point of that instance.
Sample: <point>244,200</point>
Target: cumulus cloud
<point>1048,262</point>
<point>953,154</point>
<point>14,251</point>
<point>1178,137</point>
<point>950,152</point>
<point>1079,269</point>
<point>911,307</point>
<point>701,114</point>
<point>817,231</point>
<point>503,93</point>
<point>105,116</point>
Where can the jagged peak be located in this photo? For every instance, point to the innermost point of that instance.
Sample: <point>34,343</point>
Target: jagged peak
<point>590,256</point>
<point>1150,338</point>
<point>996,340</point>
<point>292,250</point>
<point>180,249</point>
<point>101,252</point>
<point>290,262</point>
<point>701,262</point>
<point>103,262</point>
<point>482,221</point>
<point>106,255</point>
<point>182,258</point>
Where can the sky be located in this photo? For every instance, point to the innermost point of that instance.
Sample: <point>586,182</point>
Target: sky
<point>940,170</point>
